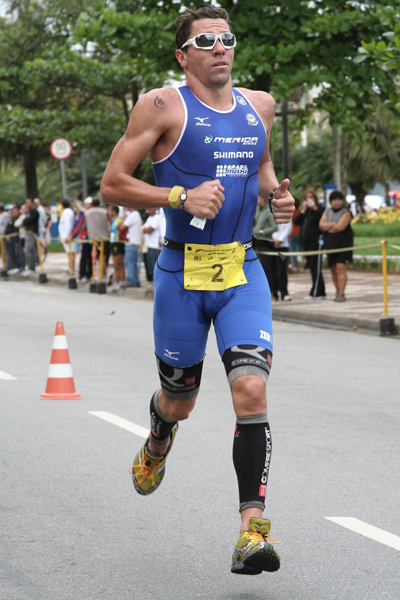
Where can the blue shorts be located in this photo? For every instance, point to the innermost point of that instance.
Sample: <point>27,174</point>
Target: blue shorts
<point>182,318</point>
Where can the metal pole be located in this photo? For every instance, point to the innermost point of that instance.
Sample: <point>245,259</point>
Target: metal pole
<point>63,180</point>
<point>84,174</point>
<point>384,273</point>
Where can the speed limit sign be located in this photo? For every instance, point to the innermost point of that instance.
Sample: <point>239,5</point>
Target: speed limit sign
<point>61,148</point>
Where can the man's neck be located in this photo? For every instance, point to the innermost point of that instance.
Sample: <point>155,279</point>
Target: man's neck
<point>218,97</point>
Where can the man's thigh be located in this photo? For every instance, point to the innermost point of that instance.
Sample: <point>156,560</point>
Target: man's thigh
<point>246,319</point>
<point>180,325</point>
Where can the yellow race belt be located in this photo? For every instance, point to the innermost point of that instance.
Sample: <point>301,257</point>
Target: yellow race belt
<point>214,268</point>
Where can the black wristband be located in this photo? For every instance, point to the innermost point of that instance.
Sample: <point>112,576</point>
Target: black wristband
<point>270,198</point>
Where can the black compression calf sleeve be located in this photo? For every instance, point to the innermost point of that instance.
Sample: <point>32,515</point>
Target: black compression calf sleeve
<point>160,427</point>
<point>252,446</point>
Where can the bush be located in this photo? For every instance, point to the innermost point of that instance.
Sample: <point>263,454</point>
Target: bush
<point>383,224</point>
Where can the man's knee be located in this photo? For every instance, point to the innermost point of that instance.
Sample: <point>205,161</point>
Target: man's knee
<point>249,395</point>
<point>176,410</point>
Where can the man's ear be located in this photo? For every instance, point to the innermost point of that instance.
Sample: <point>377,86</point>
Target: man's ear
<point>180,56</point>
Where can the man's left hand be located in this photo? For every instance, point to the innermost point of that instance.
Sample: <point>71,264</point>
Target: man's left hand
<point>283,203</point>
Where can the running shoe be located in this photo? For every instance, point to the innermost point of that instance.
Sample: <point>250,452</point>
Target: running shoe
<point>253,552</point>
<point>147,470</point>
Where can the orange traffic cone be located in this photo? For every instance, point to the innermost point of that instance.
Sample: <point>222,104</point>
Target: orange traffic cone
<point>60,382</point>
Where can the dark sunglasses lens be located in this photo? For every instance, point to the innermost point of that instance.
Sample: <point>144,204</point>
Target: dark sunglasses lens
<point>228,40</point>
<point>205,40</point>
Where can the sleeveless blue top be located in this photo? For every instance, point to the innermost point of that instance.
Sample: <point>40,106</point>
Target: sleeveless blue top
<point>224,145</point>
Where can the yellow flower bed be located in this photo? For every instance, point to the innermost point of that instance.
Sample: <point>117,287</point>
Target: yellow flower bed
<point>386,215</point>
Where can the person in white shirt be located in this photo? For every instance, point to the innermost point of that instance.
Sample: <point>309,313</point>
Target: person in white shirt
<point>279,278</point>
<point>152,235</point>
<point>133,223</point>
<point>65,228</point>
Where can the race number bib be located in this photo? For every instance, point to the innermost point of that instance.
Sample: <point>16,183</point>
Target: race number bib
<point>214,268</point>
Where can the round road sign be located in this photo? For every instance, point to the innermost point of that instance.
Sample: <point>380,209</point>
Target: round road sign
<point>61,148</point>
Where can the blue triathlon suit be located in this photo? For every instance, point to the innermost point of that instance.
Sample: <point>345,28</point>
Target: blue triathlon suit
<point>224,145</point>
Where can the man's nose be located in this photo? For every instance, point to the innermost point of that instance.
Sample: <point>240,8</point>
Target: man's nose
<point>218,48</point>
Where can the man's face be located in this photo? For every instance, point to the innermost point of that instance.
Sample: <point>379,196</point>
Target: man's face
<point>212,67</point>
<point>29,204</point>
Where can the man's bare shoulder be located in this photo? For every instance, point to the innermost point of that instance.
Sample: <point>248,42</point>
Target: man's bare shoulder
<point>158,102</point>
<point>263,102</point>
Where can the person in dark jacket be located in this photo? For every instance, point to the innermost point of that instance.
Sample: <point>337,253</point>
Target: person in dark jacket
<point>31,224</point>
<point>339,234</point>
<point>308,219</point>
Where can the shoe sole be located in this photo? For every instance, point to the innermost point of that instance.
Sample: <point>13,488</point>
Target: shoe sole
<point>264,559</point>
<point>238,568</point>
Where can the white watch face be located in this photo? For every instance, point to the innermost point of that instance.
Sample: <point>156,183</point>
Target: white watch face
<point>183,196</point>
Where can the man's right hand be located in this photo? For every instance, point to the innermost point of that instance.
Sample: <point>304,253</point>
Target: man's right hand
<point>205,201</point>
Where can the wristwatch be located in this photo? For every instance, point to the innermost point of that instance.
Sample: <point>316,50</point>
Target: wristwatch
<point>183,198</point>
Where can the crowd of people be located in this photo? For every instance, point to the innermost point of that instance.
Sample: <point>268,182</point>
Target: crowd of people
<point>96,234</point>
<point>128,240</point>
<point>21,226</point>
<point>312,229</point>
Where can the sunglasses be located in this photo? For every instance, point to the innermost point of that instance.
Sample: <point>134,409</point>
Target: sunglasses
<point>207,41</point>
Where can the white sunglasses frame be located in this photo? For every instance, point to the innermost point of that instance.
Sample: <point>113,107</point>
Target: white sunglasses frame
<point>218,36</point>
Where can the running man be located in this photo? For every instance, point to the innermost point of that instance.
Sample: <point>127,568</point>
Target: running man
<point>209,145</point>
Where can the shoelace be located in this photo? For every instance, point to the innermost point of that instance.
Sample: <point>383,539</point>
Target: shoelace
<point>255,536</point>
<point>144,470</point>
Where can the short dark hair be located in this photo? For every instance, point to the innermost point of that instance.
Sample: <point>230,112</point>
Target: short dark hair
<point>186,19</point>
<point>335,194</point>
<point>65,203</point>
<point>95,201</point>
<point>114,208</point>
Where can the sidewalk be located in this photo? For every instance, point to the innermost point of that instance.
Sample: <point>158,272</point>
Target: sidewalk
<point>362,311</point>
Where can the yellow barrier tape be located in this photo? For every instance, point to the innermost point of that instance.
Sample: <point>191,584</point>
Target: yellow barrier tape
<point>316,252</point>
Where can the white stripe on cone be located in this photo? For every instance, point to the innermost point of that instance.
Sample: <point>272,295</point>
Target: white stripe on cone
<point>60,371</point>
<point>60,342</point>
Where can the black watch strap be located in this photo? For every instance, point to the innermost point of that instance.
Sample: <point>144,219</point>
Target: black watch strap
<point>183,198</point>
<point>270,198</point>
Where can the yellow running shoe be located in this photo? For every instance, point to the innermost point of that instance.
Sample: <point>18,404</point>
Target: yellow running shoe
<point>253,553</point>
<point>147,470</point>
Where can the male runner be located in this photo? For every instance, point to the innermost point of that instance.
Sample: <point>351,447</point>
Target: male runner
<point>209,144</point>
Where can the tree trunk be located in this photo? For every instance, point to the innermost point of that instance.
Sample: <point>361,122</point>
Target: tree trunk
<point>336,156</point>
<point>30,173</point>
<point>343,164</point>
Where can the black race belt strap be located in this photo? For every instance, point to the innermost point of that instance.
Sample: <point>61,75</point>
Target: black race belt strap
<point>253,243</point>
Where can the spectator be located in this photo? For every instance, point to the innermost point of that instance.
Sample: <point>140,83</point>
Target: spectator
<point>4,218</point>
<point>65,228</point>
<point>117,247</point>
<point>279,277</point>
<point>31,224</point>
<point>308,218</point>
<point>132,223</point>
<point>99,226</point>
<point>21,234</point>
<point>152,234</point>
<point>42,217</point>
<point>80,229</point>
<point>339,234</point>
<point>15,262</point>
<point>294,240</point>
<point>47,225</point>
<point>264,227</point>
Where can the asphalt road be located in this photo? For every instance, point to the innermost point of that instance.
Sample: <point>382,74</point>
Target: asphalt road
<point>72,526</point>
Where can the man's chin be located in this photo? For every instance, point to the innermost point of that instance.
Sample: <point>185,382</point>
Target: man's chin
<point>219,79</point>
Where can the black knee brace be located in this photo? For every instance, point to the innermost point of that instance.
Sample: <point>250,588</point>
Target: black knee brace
<point>247,359</point>
<point>179,383</point>
<point>252,446</point>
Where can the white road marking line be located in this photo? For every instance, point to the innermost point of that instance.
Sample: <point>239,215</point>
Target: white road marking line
<point>6,376</point>
<point>369,531</point>
<point>120,422</point>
